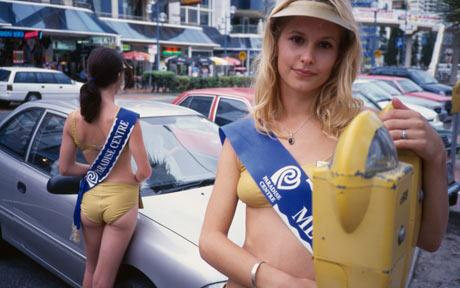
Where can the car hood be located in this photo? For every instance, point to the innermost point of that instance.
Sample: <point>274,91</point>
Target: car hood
<point>437,87</point>
<point>429,95</point>
<point>183,213</point>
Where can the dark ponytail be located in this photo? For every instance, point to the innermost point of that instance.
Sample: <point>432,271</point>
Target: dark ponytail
<point>90,101</point>
<point>104,67</point>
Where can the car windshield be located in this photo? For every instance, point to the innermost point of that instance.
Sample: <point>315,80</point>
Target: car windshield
<point>183,153</point>
<point>423,77</point>
<point>4,75</point>
<point>372,91</point>
<point>409,86</point>
<point>387,88</point>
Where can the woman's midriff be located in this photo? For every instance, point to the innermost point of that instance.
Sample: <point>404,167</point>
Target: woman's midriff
<point>270,240</point>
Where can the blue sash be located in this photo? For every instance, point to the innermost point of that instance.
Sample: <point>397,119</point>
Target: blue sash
<point>278,175</point>
<point>107,157</point>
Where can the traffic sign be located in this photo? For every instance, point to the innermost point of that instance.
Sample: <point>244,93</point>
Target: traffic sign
<point>242,56</point>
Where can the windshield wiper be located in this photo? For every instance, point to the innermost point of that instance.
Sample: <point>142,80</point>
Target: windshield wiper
<point>178,186</point>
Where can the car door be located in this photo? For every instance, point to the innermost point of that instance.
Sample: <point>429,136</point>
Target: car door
<point>24,82</point>
<point>67,89</point>
<point>48,84</point>
<point>15,136</point>
<point>52,213</point>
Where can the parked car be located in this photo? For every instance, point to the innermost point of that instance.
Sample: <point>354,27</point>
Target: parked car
<point>381,98</point>
<point>205,101</point>
<point>420,77</point>
<point>29,84</point>
<point>164,249</point>
<point>220,105</point>
<point>438,107</point>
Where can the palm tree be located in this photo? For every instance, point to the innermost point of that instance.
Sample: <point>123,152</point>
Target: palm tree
<point>452,15</point>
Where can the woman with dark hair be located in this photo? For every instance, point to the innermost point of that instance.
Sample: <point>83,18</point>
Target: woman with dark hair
<point>109,210</point>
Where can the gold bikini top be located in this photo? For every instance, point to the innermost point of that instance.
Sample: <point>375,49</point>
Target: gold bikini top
<point>248,191</point>
<point>73,132</point>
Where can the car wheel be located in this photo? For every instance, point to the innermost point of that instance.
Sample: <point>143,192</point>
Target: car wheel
<point>4,104</point>
<point>453,199</point>
<point>130,277</point>
<point>32,97</point>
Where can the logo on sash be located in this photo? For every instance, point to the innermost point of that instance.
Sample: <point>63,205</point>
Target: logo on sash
<point>92,178</point>
<point>286,178</point>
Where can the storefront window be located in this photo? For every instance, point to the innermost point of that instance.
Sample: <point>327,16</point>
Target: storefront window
<point>198,14</point>
<point>103,7</point>
<point>131,9</point>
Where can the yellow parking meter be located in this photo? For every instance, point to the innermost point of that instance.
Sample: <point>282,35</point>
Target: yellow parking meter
<point>366,206</point>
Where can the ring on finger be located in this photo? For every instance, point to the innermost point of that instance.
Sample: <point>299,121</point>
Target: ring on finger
<point>404,134</point>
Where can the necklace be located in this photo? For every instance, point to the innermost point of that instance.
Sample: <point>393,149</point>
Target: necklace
<point>291,133</point>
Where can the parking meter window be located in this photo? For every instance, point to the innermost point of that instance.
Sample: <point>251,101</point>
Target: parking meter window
<point>382,154</point>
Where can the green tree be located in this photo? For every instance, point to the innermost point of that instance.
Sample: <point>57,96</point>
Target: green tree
<point>452,16</point>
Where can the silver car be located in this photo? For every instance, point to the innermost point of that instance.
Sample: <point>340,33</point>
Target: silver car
<point>183,148</point>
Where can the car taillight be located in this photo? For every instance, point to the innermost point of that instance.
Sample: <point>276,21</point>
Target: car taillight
<point>9,87</point>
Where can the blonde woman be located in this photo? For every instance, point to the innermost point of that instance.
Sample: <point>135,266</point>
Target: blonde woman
<point>311,55</point>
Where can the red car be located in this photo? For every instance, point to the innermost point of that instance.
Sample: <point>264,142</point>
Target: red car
<point>408,87</point>
<point>220,105</point>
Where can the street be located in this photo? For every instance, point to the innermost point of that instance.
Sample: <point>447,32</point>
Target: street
<point>434,270</point>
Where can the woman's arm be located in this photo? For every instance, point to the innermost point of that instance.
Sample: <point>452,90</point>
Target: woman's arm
<point>67,155</point>
<point>424,141</point>
<point>137,149</point>
<point>224,255</point>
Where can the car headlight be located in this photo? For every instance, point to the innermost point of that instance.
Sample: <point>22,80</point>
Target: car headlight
<point>216,285</point>
<point>382,155</point>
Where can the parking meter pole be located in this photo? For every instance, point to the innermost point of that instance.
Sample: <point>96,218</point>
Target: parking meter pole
<point>455,115</point>
<point>453,145</point>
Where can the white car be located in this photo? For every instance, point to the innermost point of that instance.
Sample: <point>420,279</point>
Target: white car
<point>29,84</point>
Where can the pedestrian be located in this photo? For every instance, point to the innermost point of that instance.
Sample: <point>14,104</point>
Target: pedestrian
<point>109,137</point>
<point>303,98</point>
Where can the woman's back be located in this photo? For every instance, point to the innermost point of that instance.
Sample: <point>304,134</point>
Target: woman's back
<point>90,138</point>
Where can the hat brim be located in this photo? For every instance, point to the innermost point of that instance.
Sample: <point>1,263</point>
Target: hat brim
<point>315,10</point>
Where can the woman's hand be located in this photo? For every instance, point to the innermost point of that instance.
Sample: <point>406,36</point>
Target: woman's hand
<point>420,137</point>
<point>424,141</point>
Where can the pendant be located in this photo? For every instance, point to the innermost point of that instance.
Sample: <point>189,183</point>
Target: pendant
<point>291,140</point>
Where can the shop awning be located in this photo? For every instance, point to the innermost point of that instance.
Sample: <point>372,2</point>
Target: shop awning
<point>146,33</point>
<point>65,20</point>
<point>233,43</point>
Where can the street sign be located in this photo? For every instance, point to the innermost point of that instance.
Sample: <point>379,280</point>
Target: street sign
<point>378,53</point>
<point>190,2</point>
<point>242,56</point>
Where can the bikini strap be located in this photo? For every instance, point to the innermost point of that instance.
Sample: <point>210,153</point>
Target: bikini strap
<point>73,128</point>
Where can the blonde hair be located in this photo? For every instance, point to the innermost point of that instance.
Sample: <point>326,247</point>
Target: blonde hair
<point>334,107</point>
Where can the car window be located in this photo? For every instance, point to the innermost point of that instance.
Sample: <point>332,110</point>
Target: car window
<point>186,102</point>
<point>62,78</point>
<point>45,148</point>
<point>46,77</point>
<point>422,77</point>
<point>387,87</point>
<point>4,75</point>
<point>409,86</point>
<point>201,104</point>
<point>44,153</point>
<point>178,153</point>
<point>392,84</point>
<point>16,133</point>
<point>25,77</point>
<point>230,110</point>
<point>372,91</point>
